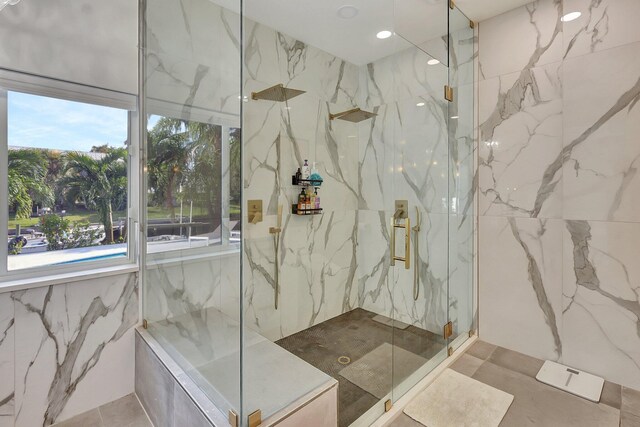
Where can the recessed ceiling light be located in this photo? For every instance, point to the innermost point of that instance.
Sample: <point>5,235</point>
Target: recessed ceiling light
<point>570,16</point>
<point>420,104</point>
<point>433,62</point>
<point>384,34</point>
<point>348,12</point>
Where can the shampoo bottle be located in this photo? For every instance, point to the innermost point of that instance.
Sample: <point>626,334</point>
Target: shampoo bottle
<point>317,204</point>
<point>301,202</point>
<point>305,170</point>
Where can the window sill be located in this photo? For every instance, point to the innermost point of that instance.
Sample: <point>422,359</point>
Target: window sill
<point>63,278</point>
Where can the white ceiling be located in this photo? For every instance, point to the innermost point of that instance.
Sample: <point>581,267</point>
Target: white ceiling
<point>316,22</point>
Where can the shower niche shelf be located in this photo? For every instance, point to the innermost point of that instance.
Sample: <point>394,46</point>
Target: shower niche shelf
<point>305,182</point>
<point>302,212</point>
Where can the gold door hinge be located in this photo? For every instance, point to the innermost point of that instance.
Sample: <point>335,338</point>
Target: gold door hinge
<point>447,330</point>
<point>452,4</point>
<point>448,93</point>
<point>450,351</point>
<point>145,325</point>
<point>255,418</point>
<point>472,24</point>
<point>233,418</point>
<point>387,405</point>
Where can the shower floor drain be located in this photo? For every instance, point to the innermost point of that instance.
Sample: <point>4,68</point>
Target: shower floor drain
<point>344,360</point>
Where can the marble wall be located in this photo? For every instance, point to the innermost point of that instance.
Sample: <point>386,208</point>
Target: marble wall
<point>331,263</point>
<point>337,261</point>
<point>316,255</point>
<point>559,193</point>
<point>65,349</point>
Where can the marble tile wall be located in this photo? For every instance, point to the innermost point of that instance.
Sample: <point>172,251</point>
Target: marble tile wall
<point>316,255</point>
<point>331,263</point>
<point>65,349</point>
<point>559,193</point>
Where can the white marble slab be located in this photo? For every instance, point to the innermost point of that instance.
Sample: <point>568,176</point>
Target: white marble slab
<point>7,336</point>
<point>601,154</point>
<point>521,284</point>
<point>520,141</point>
<point>600,299</point>
<point>525,37</point>
<point>603,25</point>
<point>75,349</point>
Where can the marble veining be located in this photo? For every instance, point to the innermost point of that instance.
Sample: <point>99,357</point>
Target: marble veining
<point>7,336</point>
<point>71,328</point>
<point>558,162</point>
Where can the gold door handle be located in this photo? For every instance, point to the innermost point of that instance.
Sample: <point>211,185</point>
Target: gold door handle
<point>407,242</point>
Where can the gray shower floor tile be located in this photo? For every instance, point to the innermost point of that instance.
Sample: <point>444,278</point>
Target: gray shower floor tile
<point>354,335</point>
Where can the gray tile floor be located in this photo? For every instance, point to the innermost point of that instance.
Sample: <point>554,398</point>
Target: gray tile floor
<point>536,404</point>
<point>355,334</point>
<point>124,412</point>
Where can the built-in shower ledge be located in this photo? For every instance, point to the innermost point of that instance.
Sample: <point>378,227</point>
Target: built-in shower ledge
<point>174,398</point>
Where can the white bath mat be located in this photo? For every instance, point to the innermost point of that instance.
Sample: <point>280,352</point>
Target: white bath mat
<point>389,322</point>
<point>373,373</point>
<point>454,399</point>
<point>571,380</point>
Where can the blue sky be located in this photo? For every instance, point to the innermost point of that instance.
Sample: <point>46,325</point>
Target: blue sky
<point>41,122</point>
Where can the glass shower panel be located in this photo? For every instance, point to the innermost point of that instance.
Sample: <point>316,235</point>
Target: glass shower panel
<point>191,254</point>
<point>299,270</point>
<point>423,23</point>
<point>462,50</point>
<point>419,288</point>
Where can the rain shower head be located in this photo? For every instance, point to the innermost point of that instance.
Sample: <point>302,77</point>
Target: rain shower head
<point>277,93</point>
<point>355,115</point>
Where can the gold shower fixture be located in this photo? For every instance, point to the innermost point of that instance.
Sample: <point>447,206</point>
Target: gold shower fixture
<point>354,115</point>
<point>277,93</point>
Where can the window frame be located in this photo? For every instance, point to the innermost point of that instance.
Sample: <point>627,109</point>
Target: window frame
<point>227,121</point>
<point>12,81</point>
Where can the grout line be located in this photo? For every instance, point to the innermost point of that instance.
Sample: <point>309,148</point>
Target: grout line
<point>146,414</point>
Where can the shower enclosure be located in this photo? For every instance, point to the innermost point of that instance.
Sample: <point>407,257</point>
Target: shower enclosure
<point>264,300</point>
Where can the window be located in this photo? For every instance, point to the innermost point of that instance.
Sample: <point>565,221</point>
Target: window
<point>184,184</point>
<point>66,155</point>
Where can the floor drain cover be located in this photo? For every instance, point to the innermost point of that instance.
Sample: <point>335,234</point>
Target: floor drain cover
<point>344,360</point>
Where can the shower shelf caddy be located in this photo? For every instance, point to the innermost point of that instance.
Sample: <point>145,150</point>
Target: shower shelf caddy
<point>305,183</point>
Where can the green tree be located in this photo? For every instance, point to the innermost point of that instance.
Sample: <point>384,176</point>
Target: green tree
<point>168,154</point>
<point>27,172</point>
<point>100,182</point>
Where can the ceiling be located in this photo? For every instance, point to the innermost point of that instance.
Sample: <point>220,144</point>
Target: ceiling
<point>317,22</point>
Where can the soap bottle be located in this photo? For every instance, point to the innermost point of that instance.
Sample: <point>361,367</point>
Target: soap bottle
<point>308,203</point>
<point>313,200</point>
<point>317,204</point>
<point>305,170</point>
<point>301,202</point>
<point>298,175</point>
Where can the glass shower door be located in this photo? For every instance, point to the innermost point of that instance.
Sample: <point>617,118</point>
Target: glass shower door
<point>425,160</point>
<point>462,51</point>
<point>419,278</point>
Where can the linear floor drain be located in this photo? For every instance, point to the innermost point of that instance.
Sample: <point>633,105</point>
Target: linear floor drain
<point>344,360</point>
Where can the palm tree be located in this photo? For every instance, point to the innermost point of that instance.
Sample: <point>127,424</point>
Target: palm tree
<point>27,172</point>
<point>168,153</point>
<point>100,182</point>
